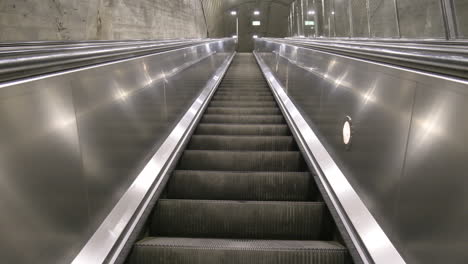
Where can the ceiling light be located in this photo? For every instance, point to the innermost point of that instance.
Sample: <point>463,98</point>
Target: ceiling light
<point>255,36</point>
<point>256,13</point>
<point>256,23</point>
<point>311,12</point>
<point>233,13</point>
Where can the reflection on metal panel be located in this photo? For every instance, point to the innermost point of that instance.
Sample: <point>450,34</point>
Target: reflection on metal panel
<point>433,200</point>
<point>72,143</point>
<point>408,153</point>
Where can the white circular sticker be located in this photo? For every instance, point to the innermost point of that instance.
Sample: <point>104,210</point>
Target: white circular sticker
<point>346,133</point>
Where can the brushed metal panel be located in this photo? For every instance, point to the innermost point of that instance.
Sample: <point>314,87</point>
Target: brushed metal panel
<point>42,192</point>
<point>329,88</point>
<point>126,110</point>
<point>433,201</point>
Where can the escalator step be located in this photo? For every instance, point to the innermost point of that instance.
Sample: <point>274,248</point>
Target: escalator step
<point>243,119</point>
<point>243,111</point>
<point>244,90</point>
<point>229,185</point>
<point>221,103</point>
<point>243,93</point>
<point>239,219</point>
<point>166,250</point>
<point>253,143</point>
<point>238,129</point>
<point>243,97</point>
<point>242,160</point>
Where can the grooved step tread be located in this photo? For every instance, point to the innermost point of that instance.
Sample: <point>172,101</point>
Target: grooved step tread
<point>242,129</point>
<point>239,219</point>
<point>243,111</point>
<point>230,185</point>
<point>253,143</point>
<point>171,250</point>
<point>243,97</point>
<point>243,119</point>
<point>242,160</point>
<point>221,103</point>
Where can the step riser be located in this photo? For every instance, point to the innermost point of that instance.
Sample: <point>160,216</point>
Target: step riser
<point>216,103</point>
<point>242,111</point>
<point>242,161</point>
<point>260,186</point>
<point>233,143</point>
<point>243,119</point>
<point>251,220</point>
<point>255,130</point>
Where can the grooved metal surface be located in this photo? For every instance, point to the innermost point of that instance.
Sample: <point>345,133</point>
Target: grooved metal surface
<point>233,251</point>
<point>230,185</point>
<point>239,219</point>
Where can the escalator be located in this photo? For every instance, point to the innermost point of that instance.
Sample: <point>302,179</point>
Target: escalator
<point>241,192</point>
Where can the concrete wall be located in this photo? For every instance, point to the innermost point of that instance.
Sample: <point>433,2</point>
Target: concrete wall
<point>273,17</point>
<point>214,10</point>
<point>27,20</point>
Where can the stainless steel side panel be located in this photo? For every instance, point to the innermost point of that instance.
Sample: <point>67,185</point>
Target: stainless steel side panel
<point>408,153</point>
<point>71,144</point>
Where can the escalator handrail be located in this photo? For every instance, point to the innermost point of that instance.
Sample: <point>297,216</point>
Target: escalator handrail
<point>435,57</point>
<point>48,58</point>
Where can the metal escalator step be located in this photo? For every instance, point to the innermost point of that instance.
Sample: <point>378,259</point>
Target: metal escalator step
<point>243,93</point>
<point>239,129</point>
<point>253,143</point>
<point>239,219</point>
<point>243,97</point>
<point>243,111</point>
<point>229,185</point>
<point>222,89</point>
<point>242,160</point>
<point>243,119</point>
<point>171,250</point>
<point>221,103</point>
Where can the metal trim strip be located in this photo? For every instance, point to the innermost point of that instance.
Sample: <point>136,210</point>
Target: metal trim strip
<point>370,241</point>
<point>127,212</point>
